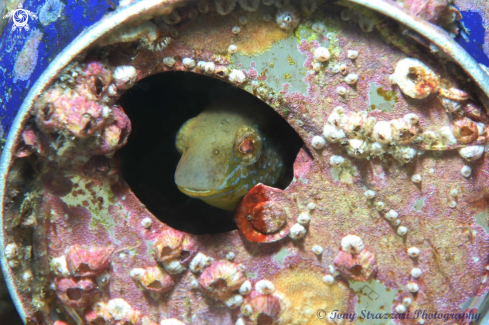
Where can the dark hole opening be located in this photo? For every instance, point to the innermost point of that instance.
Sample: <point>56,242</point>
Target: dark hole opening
<point>157,106</point>
<point>356,270</point>
<point>264,319</point>
<point>74,293</point>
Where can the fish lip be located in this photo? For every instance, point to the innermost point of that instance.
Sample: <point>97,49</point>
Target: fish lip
<point>204,194</point>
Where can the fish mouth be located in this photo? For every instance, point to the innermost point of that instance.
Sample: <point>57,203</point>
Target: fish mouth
<point>207,194</point>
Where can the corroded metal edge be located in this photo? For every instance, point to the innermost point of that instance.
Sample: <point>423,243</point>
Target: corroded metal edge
<point>79,44</point>
<point>437,36</point>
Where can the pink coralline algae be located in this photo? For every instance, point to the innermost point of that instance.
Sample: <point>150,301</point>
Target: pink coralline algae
<point>357,267</point>
<point>27,59</point>
<point>83,262</point>
<point>76,292</point>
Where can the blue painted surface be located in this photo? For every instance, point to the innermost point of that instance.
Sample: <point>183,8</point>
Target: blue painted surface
<point>473,40</point>
<point>75,17</point>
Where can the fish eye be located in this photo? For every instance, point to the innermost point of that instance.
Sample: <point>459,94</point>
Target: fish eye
<point>247,146</point>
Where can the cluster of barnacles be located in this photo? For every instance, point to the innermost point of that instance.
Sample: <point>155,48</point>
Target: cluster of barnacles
<point>403,138</point>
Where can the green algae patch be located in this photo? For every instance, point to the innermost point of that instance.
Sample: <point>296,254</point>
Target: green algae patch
<point>418,204</point>
<point>381,99</point>
<point>482,220</point>
<point>375,298</point>
<point>281,255</point>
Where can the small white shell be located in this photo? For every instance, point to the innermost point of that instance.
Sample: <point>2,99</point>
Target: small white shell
<point>245,288</point>
<point>413,252</point>
<point>304,219</point>
<point>125,76</point>
<point>230,256</point>
<point>382,132</point>
<point>352,54</point>
<point>416,272</point>
<point>264,287</point>
<point>391,215</point>
<point>400,309</point>
<point>407,301</point>
<point>232,49</point>
<point>316,249</point>
<point>336,161</point>
<point>297,231</point>
<point>237,76</point>
<point>401,231</point>
<point>369,194</point>
<point>328,279</point>
<point>169,61</point>
<point>352,244</point>
<point>351,79</point>
<point>318,142</point>
<point>341,90</point>
<point>471,153</point>
<point>11,251</point>
<point>119,308</point>
<point>413,287</point>
<point>234,302</point>
<point>146,223</point>
<point>466,171</point>
<point>236,30</point>
<point>188,63</point>
<point>322,54</point>
<point>333,134</point>
<point>311,206</point>
<point>416,178</point>
<point>318,27</point>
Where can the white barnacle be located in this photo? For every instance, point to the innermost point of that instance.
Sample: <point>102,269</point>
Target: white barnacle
<point>318,27</point>
<point>333,134</point>
<point>237,76</point>
<point>396,222</point>
<point>264,287</point>
<point>209,67</point>
<point>377,149</point>
<point>112,90</point>
<point>466,171</point>
<point>391,215</point>
<point>446,136</point>
<point>27,276</point>
<point>201,65</point>
<point>351,79</point>
<point>369,194</point>
<point>414,78</point>
<point>416,178</point>
<point>318,142</point>
<point>322,54</point>
<point>119,308</point>
<point>407,302</point>
<point>400,309</point>
<point>146,223</point>
<point>379,205</point>
<point>230,256</point>
<point>199,262</point>
<point>188,63</point>
<point>471,153</point>
<point>169,61</point>
<point>452,204</point>
<point>430,137</point>
<point>58,266</point>
<point>357,148</point>
<point>245,288</point>
<point>338,117</point>
<point>401,231</point>
<point>297,231</point>
<point>416,272</point>
<point>413,252</point>
<point>11,250</point>
<point>336,161</point>
<point>382,132</point>
<point>341,90</point>
<point>232,49</point>
<point>173,267</point>
<point>303,219</point>
<point>240,321</point>
<point>125,76</point>
<point>287,17</point>
<point>352,54</point>
<point>246,310</point>
<point>137,273</point>
<point>328,279</point>
<point>234,302</point>
<point>311,206</point>
<point>413,287</point>
<point>411,118</point>
<point>481,128</point>
<point>236,30</point>
<point>352,244</point>
<point>316,249</point>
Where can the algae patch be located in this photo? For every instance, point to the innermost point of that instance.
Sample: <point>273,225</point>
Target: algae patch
<point>383,100</point>
<point>418,204</point>
<point>482,220</point>
<point>280,256</point>
<point>373,297</point>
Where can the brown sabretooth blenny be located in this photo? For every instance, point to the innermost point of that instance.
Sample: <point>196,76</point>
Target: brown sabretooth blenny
<point>226,151</point>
